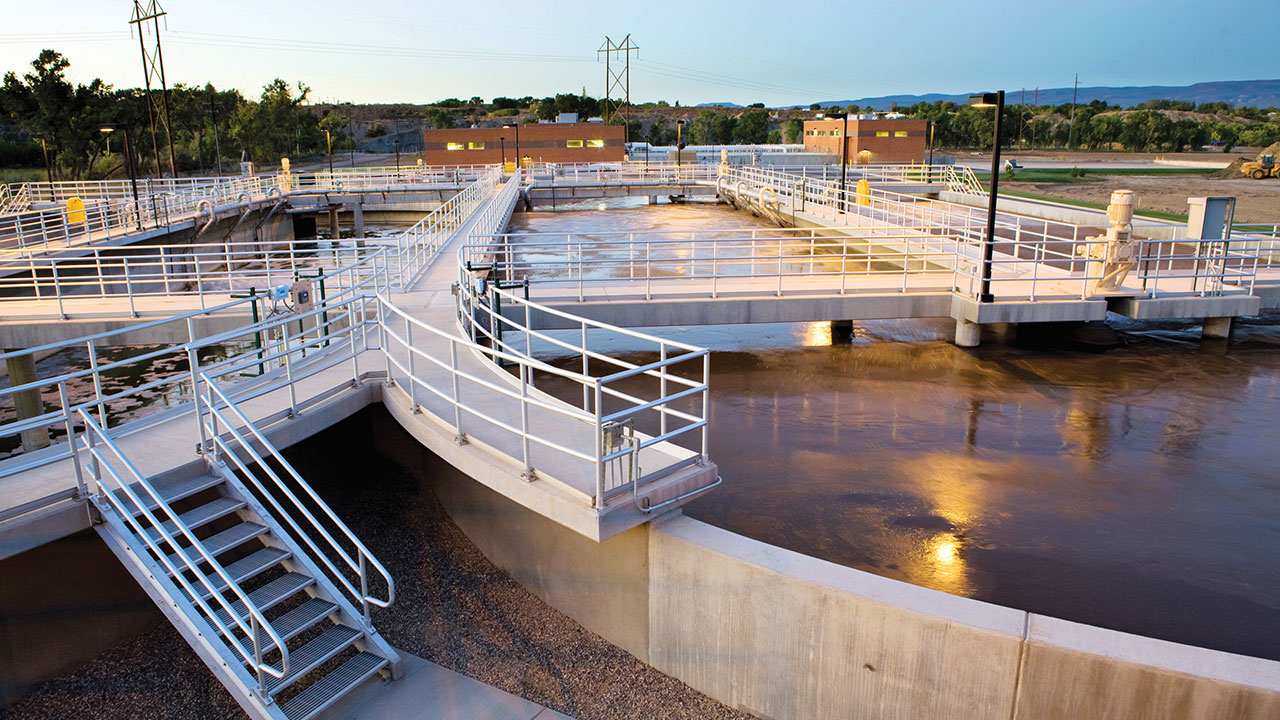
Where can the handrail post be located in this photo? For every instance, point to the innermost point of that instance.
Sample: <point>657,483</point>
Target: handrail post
<point>193,363</point>
<point>598,501</point>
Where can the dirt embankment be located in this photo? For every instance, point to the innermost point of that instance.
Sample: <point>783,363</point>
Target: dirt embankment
<point>1257,201</point>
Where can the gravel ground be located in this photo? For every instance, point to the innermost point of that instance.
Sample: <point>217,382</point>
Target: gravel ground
<point>453,607</point>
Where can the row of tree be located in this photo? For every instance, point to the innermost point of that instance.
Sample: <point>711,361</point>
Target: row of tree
<point>45,113</point>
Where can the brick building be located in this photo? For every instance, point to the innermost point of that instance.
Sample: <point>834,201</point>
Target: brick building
<point>870,141</point>
<point>540,142</point>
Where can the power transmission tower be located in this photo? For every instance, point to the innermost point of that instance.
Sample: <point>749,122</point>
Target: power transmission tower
<point>614,80</point>
<point>153,68</point>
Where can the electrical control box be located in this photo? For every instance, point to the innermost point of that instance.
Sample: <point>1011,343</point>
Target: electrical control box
<point>302,296</point>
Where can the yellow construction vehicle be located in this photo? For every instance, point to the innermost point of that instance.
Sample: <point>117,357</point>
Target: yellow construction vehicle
<point>1263,167</point>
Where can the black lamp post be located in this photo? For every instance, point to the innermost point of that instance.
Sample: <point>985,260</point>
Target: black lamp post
<point>48,167</point>
<point>502,141</point>
<point>516,127</point>
<point>107,129</point>
<point>679,143</point>
<point>844,147</point>
<point>328,141</point>
<point>996,100</point>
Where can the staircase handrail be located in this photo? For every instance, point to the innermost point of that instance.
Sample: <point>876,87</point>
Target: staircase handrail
<point>212,403</point>
<point>94,436</point>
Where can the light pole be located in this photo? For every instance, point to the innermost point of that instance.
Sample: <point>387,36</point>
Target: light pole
<point>48,168</point>
<point>328,141</point>
<point>679,144</point>
<point>107,129</point>
<point>516,127</point>
<point>502,141</point>
<point>844,147</point>
<point>996,100</point>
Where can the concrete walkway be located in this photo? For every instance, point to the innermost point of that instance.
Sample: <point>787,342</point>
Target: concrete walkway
<point>430,692</point>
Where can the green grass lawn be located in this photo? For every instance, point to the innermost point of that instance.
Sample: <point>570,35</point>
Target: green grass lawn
<point>21,175</point>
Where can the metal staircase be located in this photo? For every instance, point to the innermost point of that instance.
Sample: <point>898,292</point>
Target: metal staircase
<point>255,571</point>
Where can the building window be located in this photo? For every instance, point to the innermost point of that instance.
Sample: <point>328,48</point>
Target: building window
<point>899,133</point>
<point>454,146</point>
<point>573,143</point>
<point>475,146</point>
<point>595,143</point>
<point>835,133</point>
<point>882,133</point>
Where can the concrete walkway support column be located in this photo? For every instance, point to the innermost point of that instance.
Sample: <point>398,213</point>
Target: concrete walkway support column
<point>968,334</point>
<point>333,224</point>
<point>1216,327</point>
<point>28,404</point>
<point>357,214</point>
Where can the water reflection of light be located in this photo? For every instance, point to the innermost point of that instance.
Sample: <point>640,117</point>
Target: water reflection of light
<point>946,566</point>
<point>815,334</point>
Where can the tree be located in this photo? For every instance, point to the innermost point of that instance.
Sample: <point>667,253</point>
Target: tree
<point>775,137</point>
<point>505,103</point>
<point>752,127</point>
<point>440,119</point>
<point>702,131</point>
<point>278,125</point>
<point>658,133</point>
<point>792,131</point>
<point>68,117</point>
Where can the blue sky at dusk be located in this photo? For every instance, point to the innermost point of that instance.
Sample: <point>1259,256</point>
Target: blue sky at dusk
<point>776,53</point>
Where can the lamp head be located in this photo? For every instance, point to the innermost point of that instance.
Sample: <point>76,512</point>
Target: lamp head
<point>986,99</point>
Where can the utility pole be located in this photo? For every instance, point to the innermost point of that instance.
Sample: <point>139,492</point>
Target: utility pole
<point>153,67</point>
<point>618,80</point>
<point>217,144</point>
<point>1071,129</point>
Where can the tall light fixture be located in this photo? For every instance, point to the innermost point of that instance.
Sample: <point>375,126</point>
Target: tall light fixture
<point>844,147</point>
<point>995,100</point>
<point>516,127</point>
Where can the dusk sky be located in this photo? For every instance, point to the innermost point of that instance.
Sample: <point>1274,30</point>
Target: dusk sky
<point>776,53</point>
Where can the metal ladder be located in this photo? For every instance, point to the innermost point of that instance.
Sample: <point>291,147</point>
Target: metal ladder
<point>274,600</point>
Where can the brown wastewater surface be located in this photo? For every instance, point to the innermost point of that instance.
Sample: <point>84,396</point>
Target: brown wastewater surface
<point>1136,489</point>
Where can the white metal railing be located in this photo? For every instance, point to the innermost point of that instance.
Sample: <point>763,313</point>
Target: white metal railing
<point>201,270</point>
<point>861,259</point>
<point>276,351</point>
<point>126,498</point>
<point>678,260</point>
<point>552,438</point>
<point>415,247</point>
<point>227,434</point>
<point>111,216</point>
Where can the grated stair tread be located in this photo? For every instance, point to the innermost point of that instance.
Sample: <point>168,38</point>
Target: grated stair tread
<point>328,689</point>
<point>313,654</point>
<point>245,568</point>
<point>197,517</point>
<point>267,596</point>
<point>221,542</point>
<point>171,492</point>
<point>293,622</point>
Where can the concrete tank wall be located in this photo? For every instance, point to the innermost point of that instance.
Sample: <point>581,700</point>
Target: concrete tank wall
<point>784,635</point>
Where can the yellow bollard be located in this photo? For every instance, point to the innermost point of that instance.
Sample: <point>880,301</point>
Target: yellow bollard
<point>863,189</point>
<point>75,212</point>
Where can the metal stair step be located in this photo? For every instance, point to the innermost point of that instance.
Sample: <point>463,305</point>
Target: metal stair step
<point>245,568</point>
<point>172,492</point>
<point>313,654</point>
<point>202,515</point>
<point>333,686</point>
<point>267,596</point>
<point>221,542</point>
<point>293,622</point>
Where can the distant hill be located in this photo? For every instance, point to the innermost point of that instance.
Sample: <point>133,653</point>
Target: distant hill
<point>1253,93</point>
<point>718,104</point>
